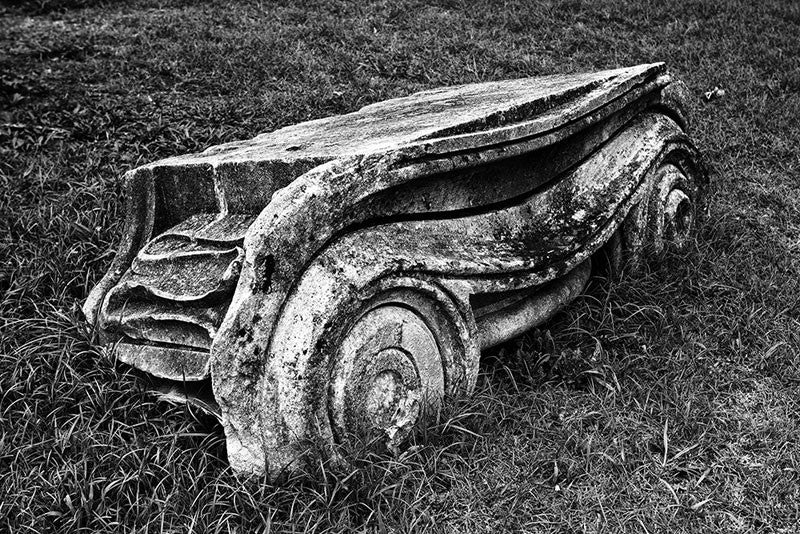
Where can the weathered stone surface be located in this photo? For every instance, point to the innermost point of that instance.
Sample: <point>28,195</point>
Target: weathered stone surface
<point>341,276</point>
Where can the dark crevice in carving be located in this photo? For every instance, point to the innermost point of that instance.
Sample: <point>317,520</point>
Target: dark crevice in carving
<point>266,272</point>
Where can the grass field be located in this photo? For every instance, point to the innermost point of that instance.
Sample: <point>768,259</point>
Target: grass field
<point>666,402</point>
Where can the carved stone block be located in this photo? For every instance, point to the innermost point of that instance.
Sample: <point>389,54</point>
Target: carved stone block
<point>337,277</point>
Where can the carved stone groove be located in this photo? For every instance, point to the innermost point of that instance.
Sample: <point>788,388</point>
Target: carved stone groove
<point>339,277</point>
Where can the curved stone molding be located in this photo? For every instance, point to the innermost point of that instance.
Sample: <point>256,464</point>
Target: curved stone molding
<point>338,278</point>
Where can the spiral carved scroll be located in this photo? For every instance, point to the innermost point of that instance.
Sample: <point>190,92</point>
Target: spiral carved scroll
<point>404,352</point>
<point>666,216</point>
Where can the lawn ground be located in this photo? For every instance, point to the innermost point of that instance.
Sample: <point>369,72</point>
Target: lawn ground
<point>666,402</point>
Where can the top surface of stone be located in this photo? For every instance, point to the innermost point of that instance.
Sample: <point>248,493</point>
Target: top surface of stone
<point>533,105</point>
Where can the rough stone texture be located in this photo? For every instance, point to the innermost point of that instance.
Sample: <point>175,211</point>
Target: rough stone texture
<point>340,276</point>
